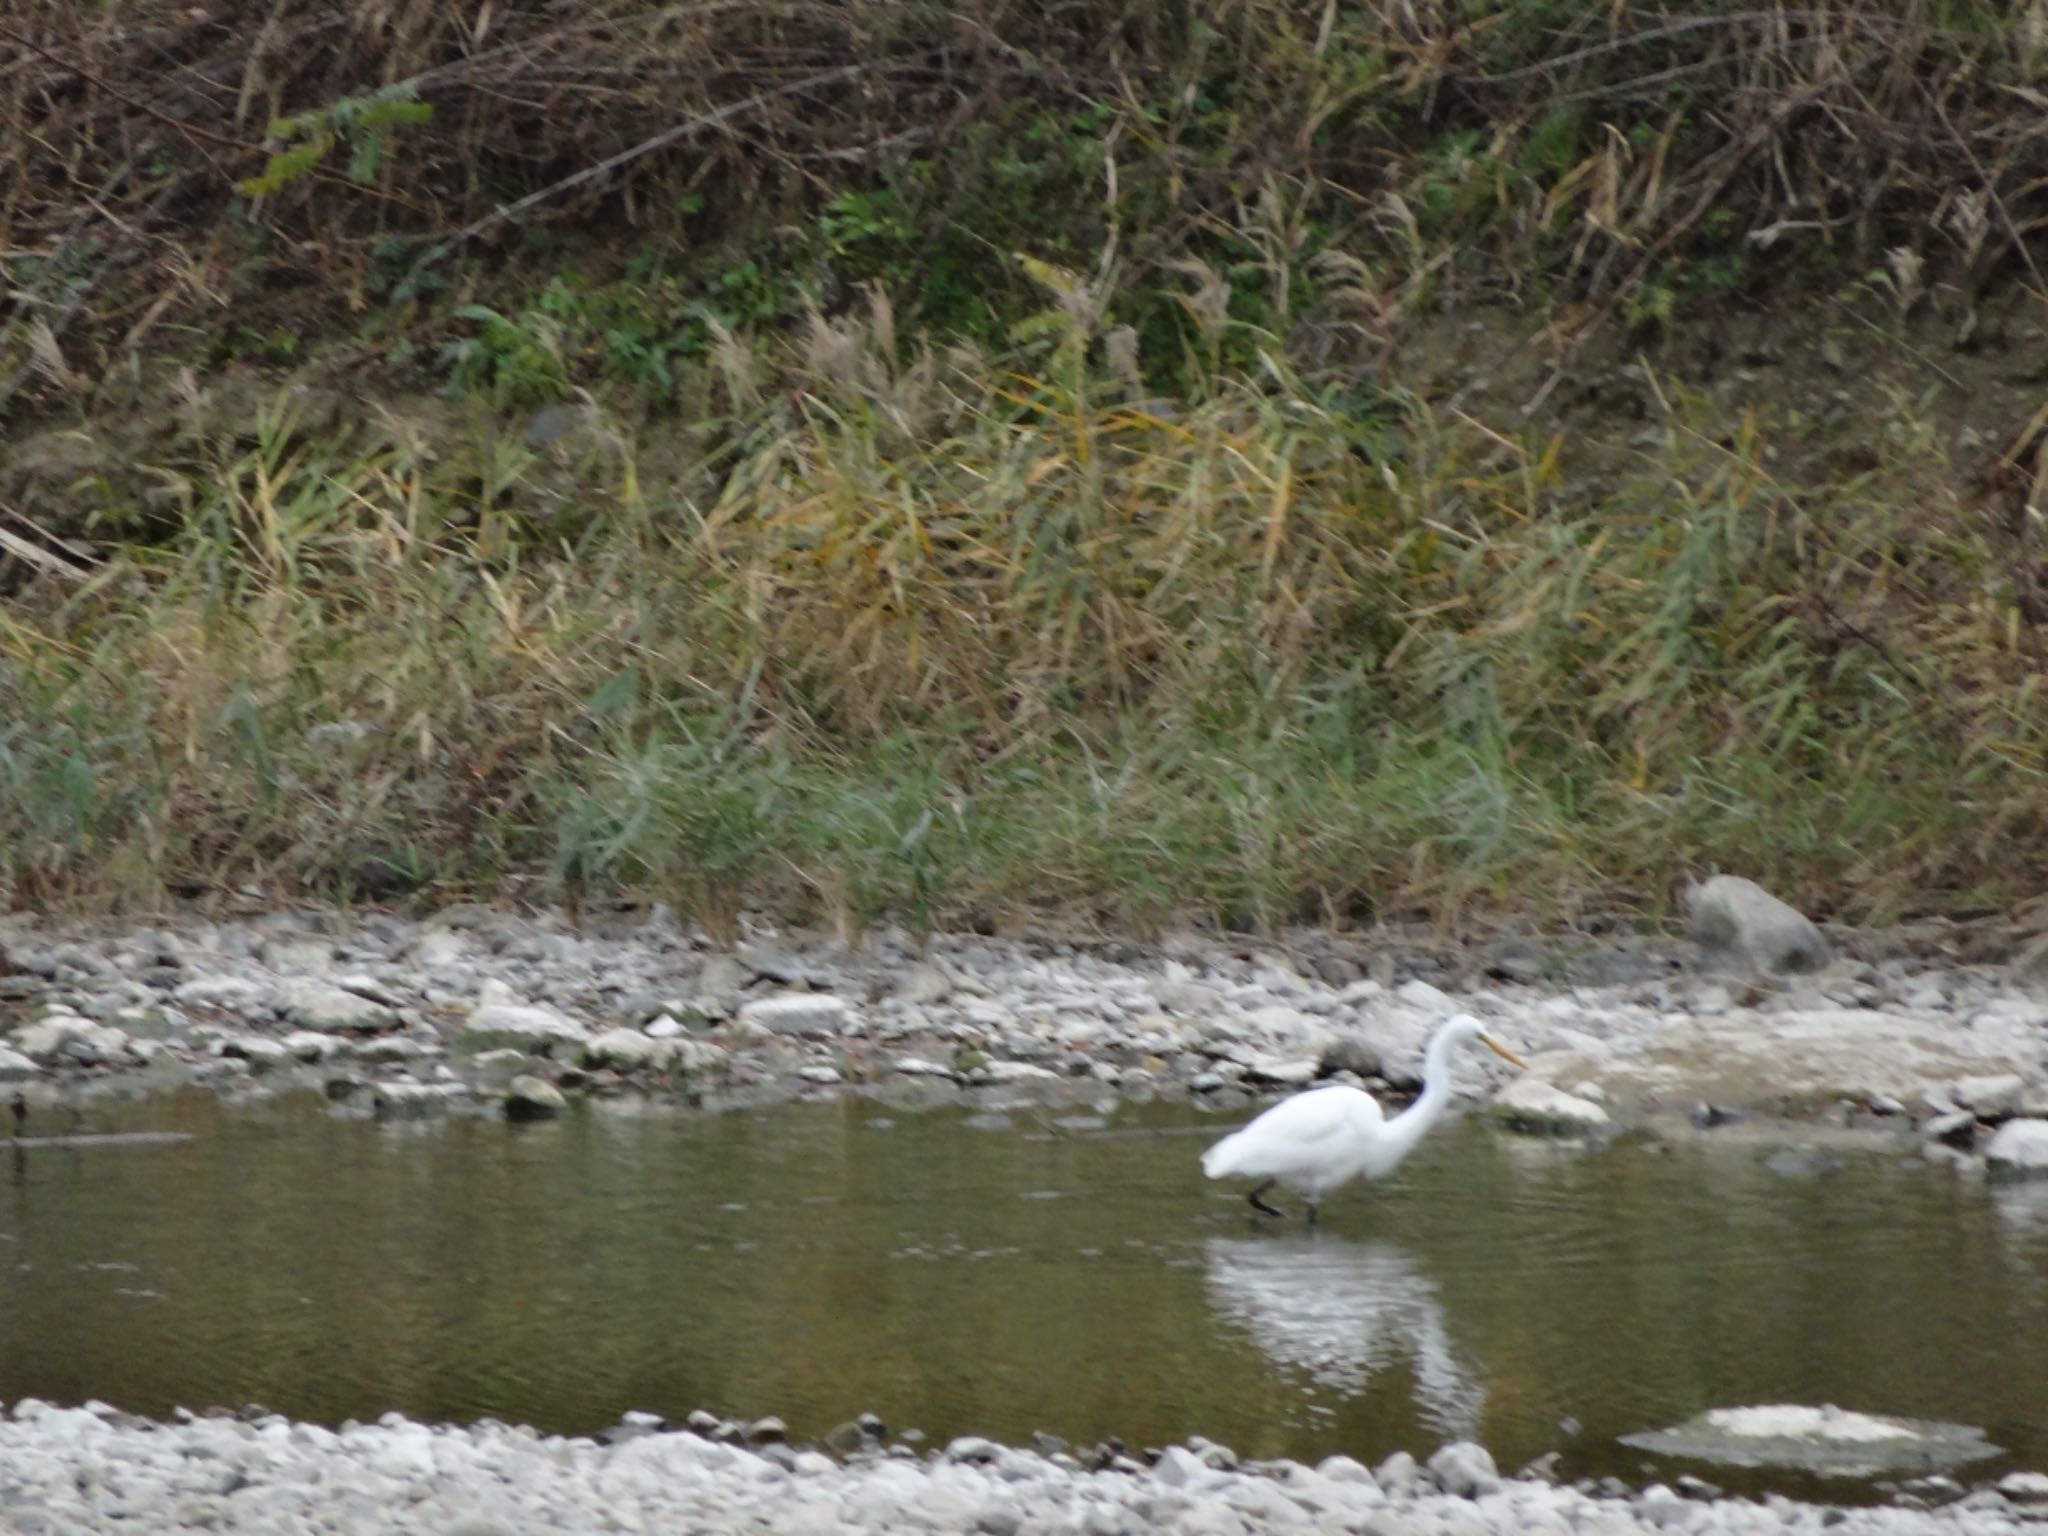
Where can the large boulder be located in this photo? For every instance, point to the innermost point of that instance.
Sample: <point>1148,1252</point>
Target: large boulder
<point>631,1050</point>
<point>1530,1104</point>
<point>498,1022</point>
<point>66,1040</point>
<point>2020,1147</point>
<point>328,1009</point>
<point>1734,919</point>
<point>798,1013</point>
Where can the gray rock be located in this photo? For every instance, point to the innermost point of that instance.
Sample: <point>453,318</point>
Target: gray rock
<point>1737,919</point>
<point>1517,961</point>
<point>1350,1053</point>
<point>416,1101</point>
<point>1465,1469</point>
<point>1530,1104</point>
<point>438,948</point>
<point>2025,1487</point>
<point>630,1050</point>
<point>1958,1126</point>
<point>1016,1072</point>
<point>328,1009</point>
<point>1826,1439</point>
<point>498,1024</point>
<point>64,1039</point>
<point>722,974</point>
<point>798,1013</point>
<point>1294,1072</point>
<point>1995,1097</point>
<point>2019,1147</point>
<point>773,963</point>
<point>15,1067</point>
<point>1419,994</point>
<point>310,1045</point>
<point>1343,1469</point>
<point>1397,1474</point>
<point>972,1449</point>
<point>1178,992</point>
<point>237,994</point>
<point>150,1023</point>
<point>260,1051</point>
<point>497,1069</point>
<point>626,1049</point>
<point>532,1098</point>
<point>924,984</point>
<point>696,1058</point>
<point>2029,967</point>
<point>1663,1508</point>
<point>1180,1468</point>
<point>864,1433</point>
<point>296,955</point>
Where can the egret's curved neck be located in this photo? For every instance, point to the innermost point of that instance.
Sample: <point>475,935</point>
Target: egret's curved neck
<point>1406,1128</point>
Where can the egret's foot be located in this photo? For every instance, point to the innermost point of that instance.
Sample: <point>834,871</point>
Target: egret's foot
<point>1259,1204</point>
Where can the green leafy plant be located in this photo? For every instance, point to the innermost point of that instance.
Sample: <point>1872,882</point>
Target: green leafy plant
<point>361,125</point>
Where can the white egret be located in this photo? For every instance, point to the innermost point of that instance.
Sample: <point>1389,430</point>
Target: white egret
<point>1328,1136</point>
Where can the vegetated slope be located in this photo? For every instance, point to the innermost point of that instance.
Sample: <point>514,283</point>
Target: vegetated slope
<point>901,459</point>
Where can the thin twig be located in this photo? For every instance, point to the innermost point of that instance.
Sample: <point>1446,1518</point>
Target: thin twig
<point>1636,39</point>
<point>695,124</point>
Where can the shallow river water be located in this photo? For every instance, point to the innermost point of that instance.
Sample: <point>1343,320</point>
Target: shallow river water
<point>1000,1275</point>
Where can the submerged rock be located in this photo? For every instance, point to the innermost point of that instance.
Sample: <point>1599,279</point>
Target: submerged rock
<point>1734,918</point>
<point>1827,1440</point>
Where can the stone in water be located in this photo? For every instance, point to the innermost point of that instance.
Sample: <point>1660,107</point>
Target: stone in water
<point>1830,1441</point>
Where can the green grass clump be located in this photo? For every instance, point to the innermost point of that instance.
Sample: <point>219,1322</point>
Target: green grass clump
<point>945,637</point>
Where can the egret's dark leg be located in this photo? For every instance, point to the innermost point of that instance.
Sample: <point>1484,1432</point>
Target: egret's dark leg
<point>1311,1213</point>
<point>1260,1205</point>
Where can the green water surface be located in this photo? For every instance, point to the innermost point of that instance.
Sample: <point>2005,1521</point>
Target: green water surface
<point>998,1275</point>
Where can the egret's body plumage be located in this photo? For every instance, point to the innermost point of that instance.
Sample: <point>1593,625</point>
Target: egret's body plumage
<point>1328,1136</point>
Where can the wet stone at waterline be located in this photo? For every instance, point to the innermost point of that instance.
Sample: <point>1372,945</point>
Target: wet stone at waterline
<point>1827,1440</point>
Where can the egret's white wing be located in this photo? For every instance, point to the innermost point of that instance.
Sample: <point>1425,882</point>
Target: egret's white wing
<point>1297,1134</point>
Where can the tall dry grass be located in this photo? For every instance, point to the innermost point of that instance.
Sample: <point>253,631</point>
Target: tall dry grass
<point>956,635</point>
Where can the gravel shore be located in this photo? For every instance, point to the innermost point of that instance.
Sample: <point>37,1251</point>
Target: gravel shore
<point>88,1471</point>
<point>443,1014</point>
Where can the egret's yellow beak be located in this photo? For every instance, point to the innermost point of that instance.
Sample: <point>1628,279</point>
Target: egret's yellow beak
<point>1498,1049</point>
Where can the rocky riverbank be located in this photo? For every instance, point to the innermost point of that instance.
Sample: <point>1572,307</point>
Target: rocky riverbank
<point>65,1471</point>
<point>476,1010</point>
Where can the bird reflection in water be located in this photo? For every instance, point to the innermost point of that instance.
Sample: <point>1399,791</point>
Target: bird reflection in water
<point>1342,1311</point>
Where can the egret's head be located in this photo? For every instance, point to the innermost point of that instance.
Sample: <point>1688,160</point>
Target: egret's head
<point>1464,1027</point>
